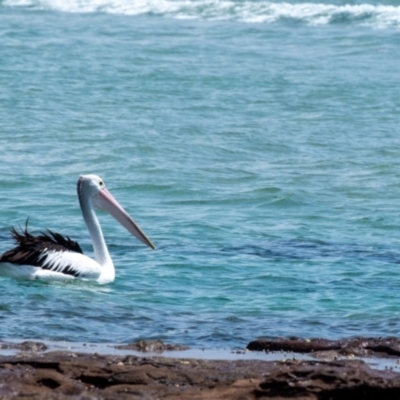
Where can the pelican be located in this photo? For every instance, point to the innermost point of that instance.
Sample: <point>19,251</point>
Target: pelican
<point>51,256</point>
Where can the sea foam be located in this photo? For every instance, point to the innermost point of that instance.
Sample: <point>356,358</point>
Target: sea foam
<point>249,11</point>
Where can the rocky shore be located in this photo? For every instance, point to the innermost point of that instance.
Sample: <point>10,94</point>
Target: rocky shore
<point>303,369</point>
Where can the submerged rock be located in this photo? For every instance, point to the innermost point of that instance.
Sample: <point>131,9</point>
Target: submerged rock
<point>24,346</point>
<point>157,346</point>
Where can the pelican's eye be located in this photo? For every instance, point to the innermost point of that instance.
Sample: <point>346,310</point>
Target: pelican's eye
<point>101,183</point>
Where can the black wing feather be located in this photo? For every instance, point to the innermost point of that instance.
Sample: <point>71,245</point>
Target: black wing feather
<point>30,249</point>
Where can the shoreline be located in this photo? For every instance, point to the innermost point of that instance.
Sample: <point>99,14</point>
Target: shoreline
<point>291,368</point>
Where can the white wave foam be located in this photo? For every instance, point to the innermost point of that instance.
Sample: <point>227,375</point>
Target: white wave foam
<point>251,11</point>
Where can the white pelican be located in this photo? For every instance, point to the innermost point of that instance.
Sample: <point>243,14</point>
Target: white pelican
<point>51,256</point>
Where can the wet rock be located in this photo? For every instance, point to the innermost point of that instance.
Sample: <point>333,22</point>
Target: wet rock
<point>24,346</point>
<point>32,346</point>
<point>296,345</point>
<point>64,375</point>
<point>157,346</point>
<point>355,346</point>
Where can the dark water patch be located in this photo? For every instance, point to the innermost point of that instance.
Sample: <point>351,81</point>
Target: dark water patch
<point>317,250</point>
<point>234,319</point>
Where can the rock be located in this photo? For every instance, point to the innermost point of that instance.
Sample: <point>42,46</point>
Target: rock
<point>157,346</point>
<point>354,346</point>
<point>65,376</point>
<point>24,346</point>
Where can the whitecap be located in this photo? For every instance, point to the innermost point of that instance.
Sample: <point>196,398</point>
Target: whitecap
<point>249,11</point>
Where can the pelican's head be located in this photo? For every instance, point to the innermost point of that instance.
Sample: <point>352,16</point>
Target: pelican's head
<point>92,188</point>
<point>90,185</point>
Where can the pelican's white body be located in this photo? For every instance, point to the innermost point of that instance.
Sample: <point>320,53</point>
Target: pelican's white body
<point>88,268</point>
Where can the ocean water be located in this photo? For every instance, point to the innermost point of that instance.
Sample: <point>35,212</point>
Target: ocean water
<point>255,142</point>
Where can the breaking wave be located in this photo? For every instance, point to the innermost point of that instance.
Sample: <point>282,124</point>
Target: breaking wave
<point>250,11</point>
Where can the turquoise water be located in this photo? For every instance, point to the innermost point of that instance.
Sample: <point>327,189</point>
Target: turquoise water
<point>256,143</point>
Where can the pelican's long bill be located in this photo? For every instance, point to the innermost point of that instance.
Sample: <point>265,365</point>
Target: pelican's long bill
<point>105,201</point>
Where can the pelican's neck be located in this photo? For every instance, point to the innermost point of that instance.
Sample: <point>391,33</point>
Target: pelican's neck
<point>101,254</point>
